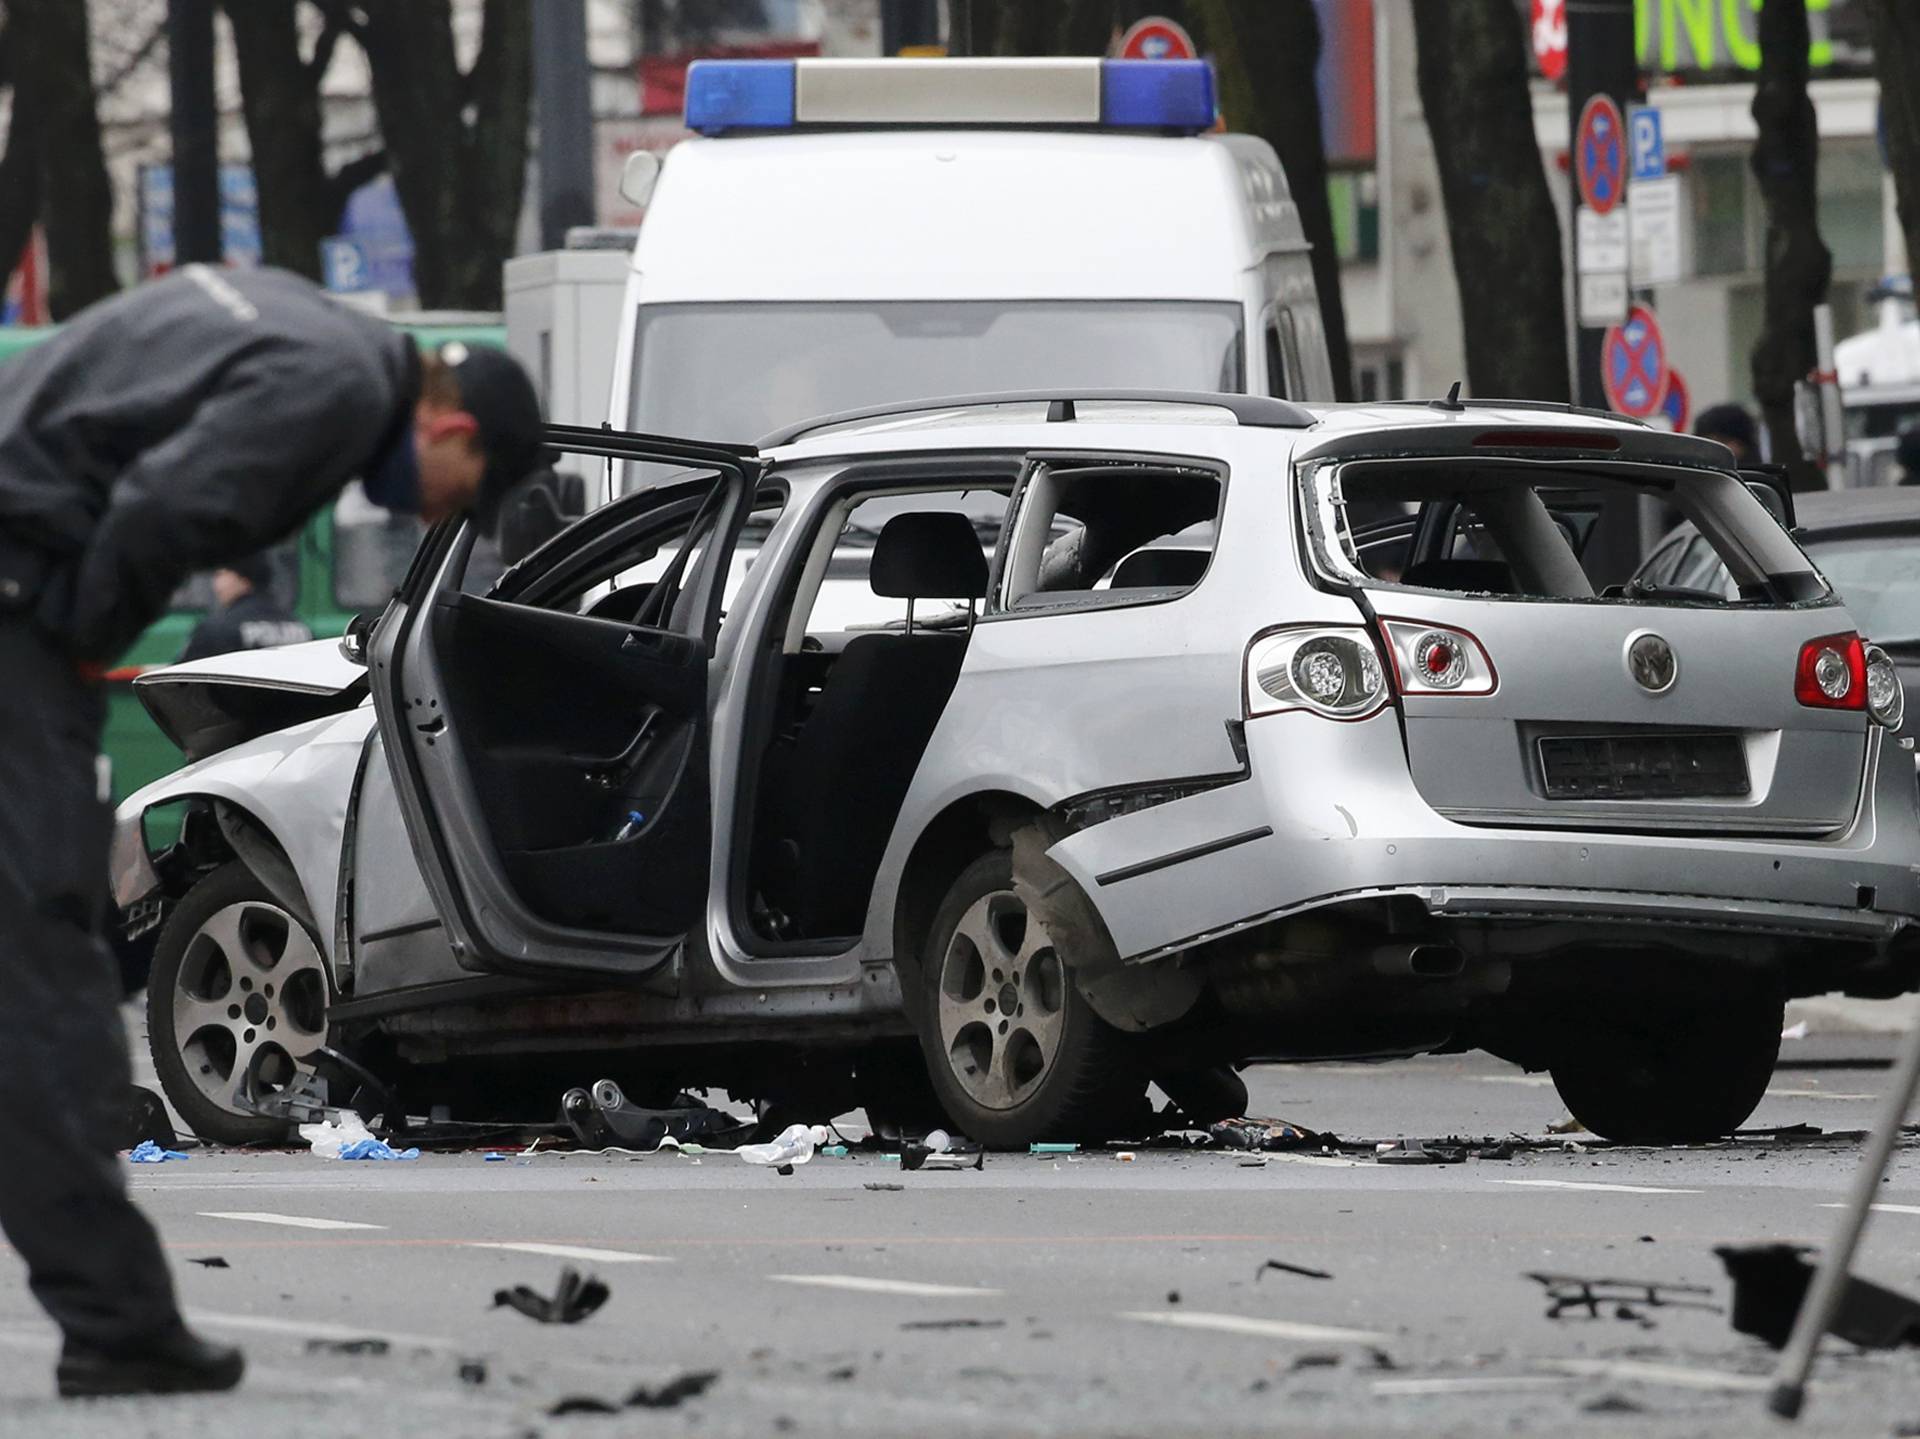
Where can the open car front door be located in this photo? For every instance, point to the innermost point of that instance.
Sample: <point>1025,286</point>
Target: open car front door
<point>549,739</point>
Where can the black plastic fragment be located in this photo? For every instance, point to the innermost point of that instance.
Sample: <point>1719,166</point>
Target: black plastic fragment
<point>581,1404</point>
<point>146,1118</point>
<point>1286,1268</point>
<point>1770,1283</point>
<point>212,1261</point>
<point>573,1300</point>
<point>674,1392</point>
<point>472,1371</point>
<point>1572,1293</point>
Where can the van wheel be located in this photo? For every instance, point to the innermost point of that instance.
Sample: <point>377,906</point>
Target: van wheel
<point>1676,1077</point>
<point>1014,1052</point>
<point>238,984</point>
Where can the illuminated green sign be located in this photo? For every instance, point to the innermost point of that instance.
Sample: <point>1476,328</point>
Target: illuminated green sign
<point>1681,35</point>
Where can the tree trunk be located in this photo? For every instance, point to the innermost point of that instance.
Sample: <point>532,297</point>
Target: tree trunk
<point>1786,160</point>
<point>1266,51</point>
<point>281,99</point>
<point>460,180</point>
<point>1505,233</point>
<point>19,176</point>
<point>54,84</point>
<point>1896,59</point>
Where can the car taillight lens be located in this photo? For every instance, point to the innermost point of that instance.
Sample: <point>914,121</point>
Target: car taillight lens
<point>1832,673</point>
<point>1437,660</point>
<point>1886,696</point>
<point>1332,671</point>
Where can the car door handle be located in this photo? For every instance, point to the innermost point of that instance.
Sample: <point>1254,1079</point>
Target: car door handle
<point>611,771</point>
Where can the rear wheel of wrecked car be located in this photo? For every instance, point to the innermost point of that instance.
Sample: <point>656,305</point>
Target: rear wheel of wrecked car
<point>1671,1077</point>
<point>1014,1051</point>
<point>238,984</point>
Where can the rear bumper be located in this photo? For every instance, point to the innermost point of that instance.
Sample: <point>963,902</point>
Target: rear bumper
<point>1329,814</point>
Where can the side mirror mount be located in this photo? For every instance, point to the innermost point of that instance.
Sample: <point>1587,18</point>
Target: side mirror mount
<point>1769,485</point>
<point>353,644</point>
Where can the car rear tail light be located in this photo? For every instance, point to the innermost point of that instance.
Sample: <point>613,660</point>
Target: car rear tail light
<point>1832,673</point>
<point>1332,671</point>
<point>1433,659</point>
<point>1886,696</point>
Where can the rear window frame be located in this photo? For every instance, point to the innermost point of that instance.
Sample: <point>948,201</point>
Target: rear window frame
<point>1318,493</point>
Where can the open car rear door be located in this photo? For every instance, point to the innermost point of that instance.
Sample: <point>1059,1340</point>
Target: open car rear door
<point>550,755</point>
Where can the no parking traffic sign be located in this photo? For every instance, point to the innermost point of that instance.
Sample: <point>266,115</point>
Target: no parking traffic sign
<point>1600,155</point>
<point>1633,364</point>
<point>1157,38</point>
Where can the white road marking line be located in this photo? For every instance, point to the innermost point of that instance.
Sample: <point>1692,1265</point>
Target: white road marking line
<point>1673,1375</point>
<point>314,1329</point>
<point>571,1251</point>
<point>1815,1094</point>
<point>862,1284</point>
<point>1472,1384</point>
<point>1258,1328</point>
<point>1883,1208</point>
<point>1589,1186</point>
<point>292,1221</point>
<point>1534,1081</point>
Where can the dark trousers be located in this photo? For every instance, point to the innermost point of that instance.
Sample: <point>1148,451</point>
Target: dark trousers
<point>92,1259</point>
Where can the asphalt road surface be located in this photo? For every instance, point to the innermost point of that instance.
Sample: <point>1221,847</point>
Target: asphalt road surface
<point>1042,1295</point>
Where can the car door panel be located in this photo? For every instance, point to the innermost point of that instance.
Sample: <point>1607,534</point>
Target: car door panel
<point>552,766</point>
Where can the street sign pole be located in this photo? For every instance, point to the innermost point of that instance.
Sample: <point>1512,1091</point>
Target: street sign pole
<point>1600,62</point>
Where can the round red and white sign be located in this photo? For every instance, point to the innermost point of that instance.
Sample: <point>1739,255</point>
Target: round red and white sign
<point>1550,37</point>
<point>1157,38</point>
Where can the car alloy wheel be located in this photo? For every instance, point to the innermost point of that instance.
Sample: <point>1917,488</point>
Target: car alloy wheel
<point>1002,1001</point>
<point>238,992</point>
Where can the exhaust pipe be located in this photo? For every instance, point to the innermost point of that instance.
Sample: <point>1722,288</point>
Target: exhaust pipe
<point>1420,960</point>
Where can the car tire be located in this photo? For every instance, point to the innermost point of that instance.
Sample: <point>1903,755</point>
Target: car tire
<point>236,980</point>
<point>1673,1077</point>
<point>1050,1070</point>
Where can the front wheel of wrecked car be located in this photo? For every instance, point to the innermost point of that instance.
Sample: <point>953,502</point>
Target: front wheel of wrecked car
<point>1014,1051</point>
<point>1682,1076</point>
<point>238,985</point>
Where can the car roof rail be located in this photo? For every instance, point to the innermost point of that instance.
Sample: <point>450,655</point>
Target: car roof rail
<point>1455,401</point>
<point>1259,411</point>
<point>628,445</point>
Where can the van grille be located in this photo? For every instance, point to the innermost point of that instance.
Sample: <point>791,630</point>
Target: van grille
<point>1644,766</point>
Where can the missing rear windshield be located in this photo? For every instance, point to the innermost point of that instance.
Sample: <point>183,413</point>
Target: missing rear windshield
<point>1523,530</point>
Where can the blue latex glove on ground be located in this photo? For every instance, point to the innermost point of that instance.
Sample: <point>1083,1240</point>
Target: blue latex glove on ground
<point>147,1152</point>
<point>374,1149</point>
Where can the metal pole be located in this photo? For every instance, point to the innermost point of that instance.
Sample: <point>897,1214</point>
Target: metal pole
<point>908,23</point>
<point>194,124</point>
<point>563,90</point>
<point>1830,1280</point>
<point>959,27</point>
<point>1600,61</point>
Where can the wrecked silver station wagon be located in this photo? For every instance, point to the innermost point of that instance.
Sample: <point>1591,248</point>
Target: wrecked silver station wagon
<point>1171,732</point>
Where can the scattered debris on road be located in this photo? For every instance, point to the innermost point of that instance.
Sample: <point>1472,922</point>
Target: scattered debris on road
<point>369,1347</point>
<point>472,1371</point>
<point>884,1188</point>
<point>793,1145</point>
<point>212,1261</point>
<point>674,1392</point>
<point>1770,1283</point>
<point>955,1324</point>
<point>575,1299</point>
<point>604,1118</point>
<point>147,1152</point>
<point>940,1150</point>
<point>1568,1293</point>
<point>1053,1149</point>
<point>1268,1134</point>
<point>1286,1268</point>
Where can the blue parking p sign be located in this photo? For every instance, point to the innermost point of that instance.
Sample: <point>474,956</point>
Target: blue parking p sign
<point>1646,143</point>
<point>343,265</point>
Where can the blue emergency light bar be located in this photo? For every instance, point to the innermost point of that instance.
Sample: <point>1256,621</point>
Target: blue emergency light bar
<point>1164,95</point>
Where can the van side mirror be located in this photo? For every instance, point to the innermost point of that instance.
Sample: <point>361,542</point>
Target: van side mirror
<point>353,644</point>
<point>637,177</point>
<point>1770,486</point>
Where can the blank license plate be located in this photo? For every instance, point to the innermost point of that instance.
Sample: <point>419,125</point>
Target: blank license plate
<point>1680,766</point>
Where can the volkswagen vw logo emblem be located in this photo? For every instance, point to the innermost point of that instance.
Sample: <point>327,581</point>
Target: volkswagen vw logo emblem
<point>1651,662</point>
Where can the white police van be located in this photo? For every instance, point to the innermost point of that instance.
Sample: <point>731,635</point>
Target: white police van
<point>845,233</point>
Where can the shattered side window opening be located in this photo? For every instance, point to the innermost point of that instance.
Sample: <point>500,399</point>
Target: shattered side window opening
<point>1510,530</point>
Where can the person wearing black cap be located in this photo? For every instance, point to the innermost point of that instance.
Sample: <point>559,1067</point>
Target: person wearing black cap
<point>178,427</point>
<point>245,615</point>
<point>1733,427</point>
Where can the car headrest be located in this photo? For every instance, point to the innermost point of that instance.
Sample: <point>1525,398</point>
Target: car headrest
<point>1160,569</point>
<point>934,555</point>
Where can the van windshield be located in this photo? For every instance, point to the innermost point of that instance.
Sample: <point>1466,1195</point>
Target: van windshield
<point>739,370</point>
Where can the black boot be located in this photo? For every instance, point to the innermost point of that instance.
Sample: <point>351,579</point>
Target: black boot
<point>173,1362</point>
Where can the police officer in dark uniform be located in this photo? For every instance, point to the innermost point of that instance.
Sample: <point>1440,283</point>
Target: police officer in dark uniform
<point>174,428</point>
<point>245,614</point>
